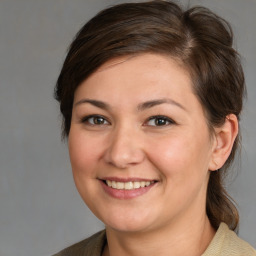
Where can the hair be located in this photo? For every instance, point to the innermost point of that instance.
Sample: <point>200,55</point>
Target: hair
<point>197,38</point>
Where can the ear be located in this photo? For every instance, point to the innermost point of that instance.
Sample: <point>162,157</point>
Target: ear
<point>223,142</point>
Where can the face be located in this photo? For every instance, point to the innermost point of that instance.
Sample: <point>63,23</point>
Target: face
<point>139,144</point>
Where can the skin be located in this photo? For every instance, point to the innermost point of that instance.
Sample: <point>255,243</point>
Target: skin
<point>170,218</point>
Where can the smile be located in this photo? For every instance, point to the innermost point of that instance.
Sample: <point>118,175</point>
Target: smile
<point>121,188</point>
<point>128,185</point>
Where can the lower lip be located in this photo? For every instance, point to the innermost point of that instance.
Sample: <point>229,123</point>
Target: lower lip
<point>125,194</point>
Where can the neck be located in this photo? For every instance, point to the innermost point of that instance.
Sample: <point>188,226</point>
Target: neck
<point>191,237</point>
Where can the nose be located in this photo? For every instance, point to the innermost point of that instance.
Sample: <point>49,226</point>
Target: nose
<point>124,148</point>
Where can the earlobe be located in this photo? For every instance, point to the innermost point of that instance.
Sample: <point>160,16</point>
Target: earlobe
<point>224,140</point>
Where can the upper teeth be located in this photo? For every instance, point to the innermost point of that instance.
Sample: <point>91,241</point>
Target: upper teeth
<point>128,185</point>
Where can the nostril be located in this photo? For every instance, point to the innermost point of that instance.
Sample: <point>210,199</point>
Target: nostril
<point>124,157</point>
<point>124,149</point>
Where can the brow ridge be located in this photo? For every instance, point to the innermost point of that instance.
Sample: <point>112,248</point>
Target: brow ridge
<point>141,106</point>
<point>153,103</point>
<point>97,103</point>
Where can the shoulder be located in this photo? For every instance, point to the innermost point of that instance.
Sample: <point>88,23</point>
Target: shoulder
<point>227,243</point>
<point>90,246</point>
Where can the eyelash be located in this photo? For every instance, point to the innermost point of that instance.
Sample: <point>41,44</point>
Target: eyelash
<point>166,120</point>
<point>94,117</point>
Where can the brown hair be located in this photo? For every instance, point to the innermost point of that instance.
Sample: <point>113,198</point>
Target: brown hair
<point>197,38</point>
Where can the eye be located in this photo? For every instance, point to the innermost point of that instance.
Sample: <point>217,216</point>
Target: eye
<point>95,120</point>
<point>159,121</point>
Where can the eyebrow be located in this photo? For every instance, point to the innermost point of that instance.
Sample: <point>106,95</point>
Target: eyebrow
<point>152,103</point>
<point>96,103</point>
<point>141,106</point>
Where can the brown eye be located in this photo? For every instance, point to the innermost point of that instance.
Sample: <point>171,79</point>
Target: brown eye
<point>95,120</point>
<point>98,120</point>
<point>159,121</point>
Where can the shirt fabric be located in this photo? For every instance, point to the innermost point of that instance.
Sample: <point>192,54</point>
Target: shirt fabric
<point>224,243</point>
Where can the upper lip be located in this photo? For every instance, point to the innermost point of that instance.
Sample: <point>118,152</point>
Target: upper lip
<point>133,179</point>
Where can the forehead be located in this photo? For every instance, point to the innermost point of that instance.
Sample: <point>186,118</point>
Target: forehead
<point>140,77</point>
<point>141,70</point>
<point>149,58</point>
<point>156,73</point>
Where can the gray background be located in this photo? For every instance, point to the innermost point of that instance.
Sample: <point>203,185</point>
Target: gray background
<point>40,209</point>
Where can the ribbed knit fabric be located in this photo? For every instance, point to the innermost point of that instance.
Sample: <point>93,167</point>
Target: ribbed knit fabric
<point>224,243</point>
<point>227,243</point>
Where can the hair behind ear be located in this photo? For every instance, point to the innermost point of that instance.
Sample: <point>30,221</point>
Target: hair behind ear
<point>220,206</point>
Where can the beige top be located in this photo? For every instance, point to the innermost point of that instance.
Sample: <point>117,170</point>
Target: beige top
<point>224,243</point>
<point>227,243</point>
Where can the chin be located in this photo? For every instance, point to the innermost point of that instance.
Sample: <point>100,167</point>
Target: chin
<point>133,222</point>
<point>127,227</point>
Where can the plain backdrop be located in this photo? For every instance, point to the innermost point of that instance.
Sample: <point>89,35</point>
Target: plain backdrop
<point>40,209</point>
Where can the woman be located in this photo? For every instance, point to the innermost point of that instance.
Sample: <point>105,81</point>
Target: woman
<point>151,97</point>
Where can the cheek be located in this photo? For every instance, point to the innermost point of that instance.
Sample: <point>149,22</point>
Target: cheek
<point>181,155</point>
<point>169,150</point>
<point>82,152</point>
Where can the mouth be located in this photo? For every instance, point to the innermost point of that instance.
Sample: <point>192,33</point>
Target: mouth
<point>126,188</point>
<point>129,185</point>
